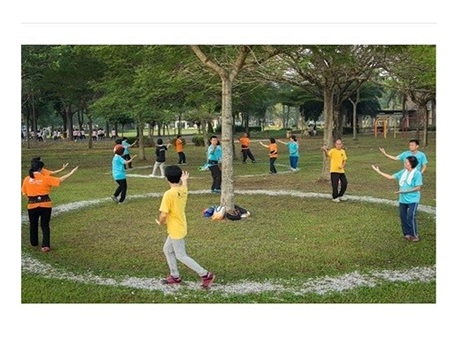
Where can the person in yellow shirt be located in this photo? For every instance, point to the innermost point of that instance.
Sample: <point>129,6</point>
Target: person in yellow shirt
<point>172,213</point>
<point>37,188</point>
<point>338,159</point>
<point>245,142</point>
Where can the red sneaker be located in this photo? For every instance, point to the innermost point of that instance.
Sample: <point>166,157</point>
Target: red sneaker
<point>171,280</point>
<point>207,280</point>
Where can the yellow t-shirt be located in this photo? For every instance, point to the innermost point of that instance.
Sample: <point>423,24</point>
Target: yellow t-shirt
<point>337,157</point>
<point>173,203</point>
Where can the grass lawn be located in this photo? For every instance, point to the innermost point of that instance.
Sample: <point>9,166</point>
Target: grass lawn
<point>287,239</point>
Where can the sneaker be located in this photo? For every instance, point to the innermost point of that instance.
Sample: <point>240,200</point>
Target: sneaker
<point>171,280</point>
<point>46,249</point>
<point>207,280</point>
<point>254,161</point>
<point>408,238</point>
<point>216,191</point>
<point>114,198</point>
<point>343,198</point>
<point>336,200</point>
<point>414,239</point>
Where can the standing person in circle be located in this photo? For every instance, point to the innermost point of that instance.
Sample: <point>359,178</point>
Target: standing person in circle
<point>338,159</point>
<point>179,144</point>
<point>214,154</point>
<point>160,152</point>
<point>126,147</point>
<point>272,153</point>
<point>37,188</point>
<point>293,148</point>
<point>119,174</point>
<point>413,151</point>
<point>245,142</point>
<point>410,183</point>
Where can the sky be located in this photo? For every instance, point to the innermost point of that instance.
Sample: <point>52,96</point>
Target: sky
<point>238,22</point>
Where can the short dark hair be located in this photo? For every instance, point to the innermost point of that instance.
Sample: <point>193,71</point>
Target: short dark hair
<point>178,136</point>
<point>159,141</point>
<point>413,161</point>
<point>213,136</point>
<point>118,141</point>
<point>124,138</point>
<point>416,141</point>
<point>293,137</point>
<point>173,173</point>
<point>272,140</point>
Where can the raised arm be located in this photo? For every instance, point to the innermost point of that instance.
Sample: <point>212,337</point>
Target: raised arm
<point>387,155</point>
<point>377,169</point>
<point>59,170</point>
<point>65,177</point>
<point>184,178</point>
<point>325,150</point>
<point>263,144</point>
<point>130,160</point>
<point>281,142</point>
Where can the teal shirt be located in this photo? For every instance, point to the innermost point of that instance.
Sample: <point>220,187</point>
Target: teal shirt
<point>412,197</point>
<point>126,146</point>
<point>293,147</point>
<point>421,158</point>
<point>214,153</point>
<point>118,168</point>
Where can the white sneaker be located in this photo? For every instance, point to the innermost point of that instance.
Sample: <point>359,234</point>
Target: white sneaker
<point>343,198</point>
<point>151,175</point>
<point>336,200</point>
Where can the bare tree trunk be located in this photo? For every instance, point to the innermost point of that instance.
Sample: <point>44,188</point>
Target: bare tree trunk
<point>227,195</point>
<point>140,131</point>
<point>328,130</point>
<point>425,128</point>
<point>69,118</point>
<point>355,106</point>
<point>90,130</point>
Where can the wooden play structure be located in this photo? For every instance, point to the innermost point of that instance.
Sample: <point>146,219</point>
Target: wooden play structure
<point>382,124</point>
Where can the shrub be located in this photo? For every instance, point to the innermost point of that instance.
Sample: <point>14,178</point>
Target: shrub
<point>198,140</point>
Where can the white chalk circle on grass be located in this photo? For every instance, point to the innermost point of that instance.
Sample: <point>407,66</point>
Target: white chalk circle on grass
<point>320,286</point>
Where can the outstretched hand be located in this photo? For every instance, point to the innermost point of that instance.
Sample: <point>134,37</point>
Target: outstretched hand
<point>382,150</point>
<point>376,168</point>
<point>65,165</point>
<point>74,169</point>
<point>185,176</point>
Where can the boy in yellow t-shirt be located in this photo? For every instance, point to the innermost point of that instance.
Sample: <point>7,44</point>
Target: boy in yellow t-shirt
<point>172,213</point>
<point>338,159</point>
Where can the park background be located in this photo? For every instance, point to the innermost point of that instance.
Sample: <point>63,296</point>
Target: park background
<point>423,36</point>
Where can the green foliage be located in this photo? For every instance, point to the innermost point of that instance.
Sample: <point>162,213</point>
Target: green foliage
<point>198,140</point>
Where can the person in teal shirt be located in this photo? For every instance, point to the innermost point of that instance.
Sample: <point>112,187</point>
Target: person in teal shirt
<point>119,174</point>
<point>214,154</point>
<point>413,151</point>
<point>410,183</point>
<point>126,147</point>
<point>293,147</point>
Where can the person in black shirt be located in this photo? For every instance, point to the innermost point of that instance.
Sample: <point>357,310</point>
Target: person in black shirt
<point>160,152</point>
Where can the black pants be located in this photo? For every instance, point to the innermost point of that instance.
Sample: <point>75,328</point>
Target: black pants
<point>127,158</point>
<point>216,174</point>
<point>181,157</point>
<point>335,178</point>
<point>42,214</point>
<point>121,190</point>
<point>247,153</point>
<point>272,166</point>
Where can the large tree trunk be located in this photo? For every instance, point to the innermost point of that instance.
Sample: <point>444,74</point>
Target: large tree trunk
<point>355,106</point>
<point>328,130</point>
<point>90,130</point>
<point>227,196</point>
<point>425,128</point>
<point>140,131</point>
<point>69,119</point>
